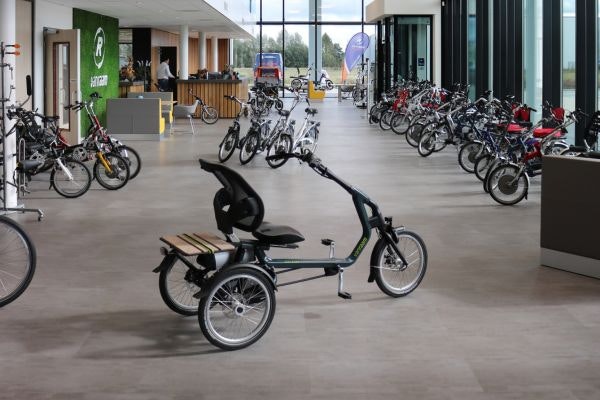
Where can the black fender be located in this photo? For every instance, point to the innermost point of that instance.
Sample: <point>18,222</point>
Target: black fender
<point>272,278</point>
<point>167,262</point>
<point>379,244</point>
<point>374,261</point>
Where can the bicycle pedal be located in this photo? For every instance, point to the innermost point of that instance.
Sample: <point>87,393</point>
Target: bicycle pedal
<point>345,295</point>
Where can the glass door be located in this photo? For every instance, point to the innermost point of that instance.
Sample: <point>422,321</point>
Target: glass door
<point>60,70</point>
<point>413,48</point>
<point>62,80</point>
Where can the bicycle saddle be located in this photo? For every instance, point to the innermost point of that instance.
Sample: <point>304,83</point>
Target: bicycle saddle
<point>28,165</point>
<point>238,205</point>
<point>284,113</point>
<point>311,111</point>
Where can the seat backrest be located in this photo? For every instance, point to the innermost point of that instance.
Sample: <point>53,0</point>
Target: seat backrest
<point>236,205</point>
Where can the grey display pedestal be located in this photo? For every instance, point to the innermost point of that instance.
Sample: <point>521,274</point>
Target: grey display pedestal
<point>570,225</point>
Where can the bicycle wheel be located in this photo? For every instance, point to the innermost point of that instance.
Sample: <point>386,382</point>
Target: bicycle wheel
<point>467,156</point>
<point>400,123</point>
<point>249,148</point>
<point>296,84</point>
<point>17,261</point>
<point>73,182</point>
<point>238,309</point>
<point>507,186</point>
<point>281,145</point>
<point>391,276</point>
<point>413,134</point>
<point>117,177</point>
<point>310,140</point>
<point>209,115</point>
<point>427,141</point>
<point>482,165</point>
<point>329,84</point>
<point>133,159</point>
<point>385,120</point>
<point>178,284</point>
<point>278,105</point>
<point>441,139</point>
<point>374,113</point>
<point>228,146</point>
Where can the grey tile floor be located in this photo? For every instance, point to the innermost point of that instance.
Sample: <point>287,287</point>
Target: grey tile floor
<point>487,322</point>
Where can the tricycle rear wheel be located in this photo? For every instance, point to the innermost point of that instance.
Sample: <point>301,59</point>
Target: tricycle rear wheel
<point>237,308</point>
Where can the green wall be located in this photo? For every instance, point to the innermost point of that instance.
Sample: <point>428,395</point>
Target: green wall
<point>99,70</point>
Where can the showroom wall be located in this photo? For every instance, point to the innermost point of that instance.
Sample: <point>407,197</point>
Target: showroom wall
<point>23,32</point>
<point>52,16</point>
<point>99,63</point>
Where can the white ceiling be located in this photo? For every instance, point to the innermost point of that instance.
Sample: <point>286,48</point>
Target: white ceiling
<point>164,14</point>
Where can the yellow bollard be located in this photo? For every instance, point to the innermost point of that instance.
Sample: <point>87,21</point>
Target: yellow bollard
<point>315,94</point>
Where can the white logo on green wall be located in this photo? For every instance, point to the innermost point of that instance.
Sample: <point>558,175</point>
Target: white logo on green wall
<point>99,46</point>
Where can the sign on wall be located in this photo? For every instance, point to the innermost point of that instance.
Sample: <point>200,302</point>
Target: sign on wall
<point>99,60</point>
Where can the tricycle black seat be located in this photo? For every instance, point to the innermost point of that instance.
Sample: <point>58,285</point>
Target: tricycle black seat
<point>277,234</point>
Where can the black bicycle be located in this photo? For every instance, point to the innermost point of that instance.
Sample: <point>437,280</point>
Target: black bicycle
<point>232,284</point>
<point>17,260</point>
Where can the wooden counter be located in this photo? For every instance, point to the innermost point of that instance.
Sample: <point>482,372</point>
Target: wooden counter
<point>212,92</point>
<point>130,87</point>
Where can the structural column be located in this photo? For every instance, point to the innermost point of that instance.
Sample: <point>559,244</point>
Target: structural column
<point>184,37</point>
<point>202,50</point>
<point>215,54</point>
<point>8,17</point>
<point>315,52</point>
<point>586,91</point>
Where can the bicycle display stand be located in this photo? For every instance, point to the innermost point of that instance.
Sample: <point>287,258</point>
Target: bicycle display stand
<point>6,49</point>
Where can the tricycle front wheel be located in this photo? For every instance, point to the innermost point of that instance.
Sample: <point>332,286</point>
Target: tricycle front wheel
<point>393,278</point>
<point>237,309</point>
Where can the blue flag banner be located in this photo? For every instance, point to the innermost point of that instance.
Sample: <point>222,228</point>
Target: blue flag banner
<point>356,47</point>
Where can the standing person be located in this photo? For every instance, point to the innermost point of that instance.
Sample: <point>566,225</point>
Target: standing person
<point>163,74</point>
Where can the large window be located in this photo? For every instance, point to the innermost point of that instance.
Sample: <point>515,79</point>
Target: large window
<point>307,33</point>
<point>568,60</point>
<point>532,54</point>
<point>472,47</point>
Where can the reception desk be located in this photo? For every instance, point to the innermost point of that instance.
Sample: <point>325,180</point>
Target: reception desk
<point>212,91</point>
<point>126,87</point>
<point>570,217</point>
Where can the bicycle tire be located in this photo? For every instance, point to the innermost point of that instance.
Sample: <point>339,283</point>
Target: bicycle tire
<point>133,158</point>
<point>400,123</point>
<point>82,182</point>
<point>410,244</point>
<point>500,184</point>
<point>413,134</point>
<point>209,115</point>
<point>467,155</point>
<point>427,140</point>
<point>385,120</point>
<point>12,233</point>
<point>116,179</point>
<point>281,145</point>
<point>482,165</point>
<point>167,284</point>
<point>228,146</point>
<point>249,147</point>
<point>246,288</point>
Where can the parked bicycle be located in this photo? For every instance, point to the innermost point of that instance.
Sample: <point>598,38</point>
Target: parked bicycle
<point>208,114</point>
